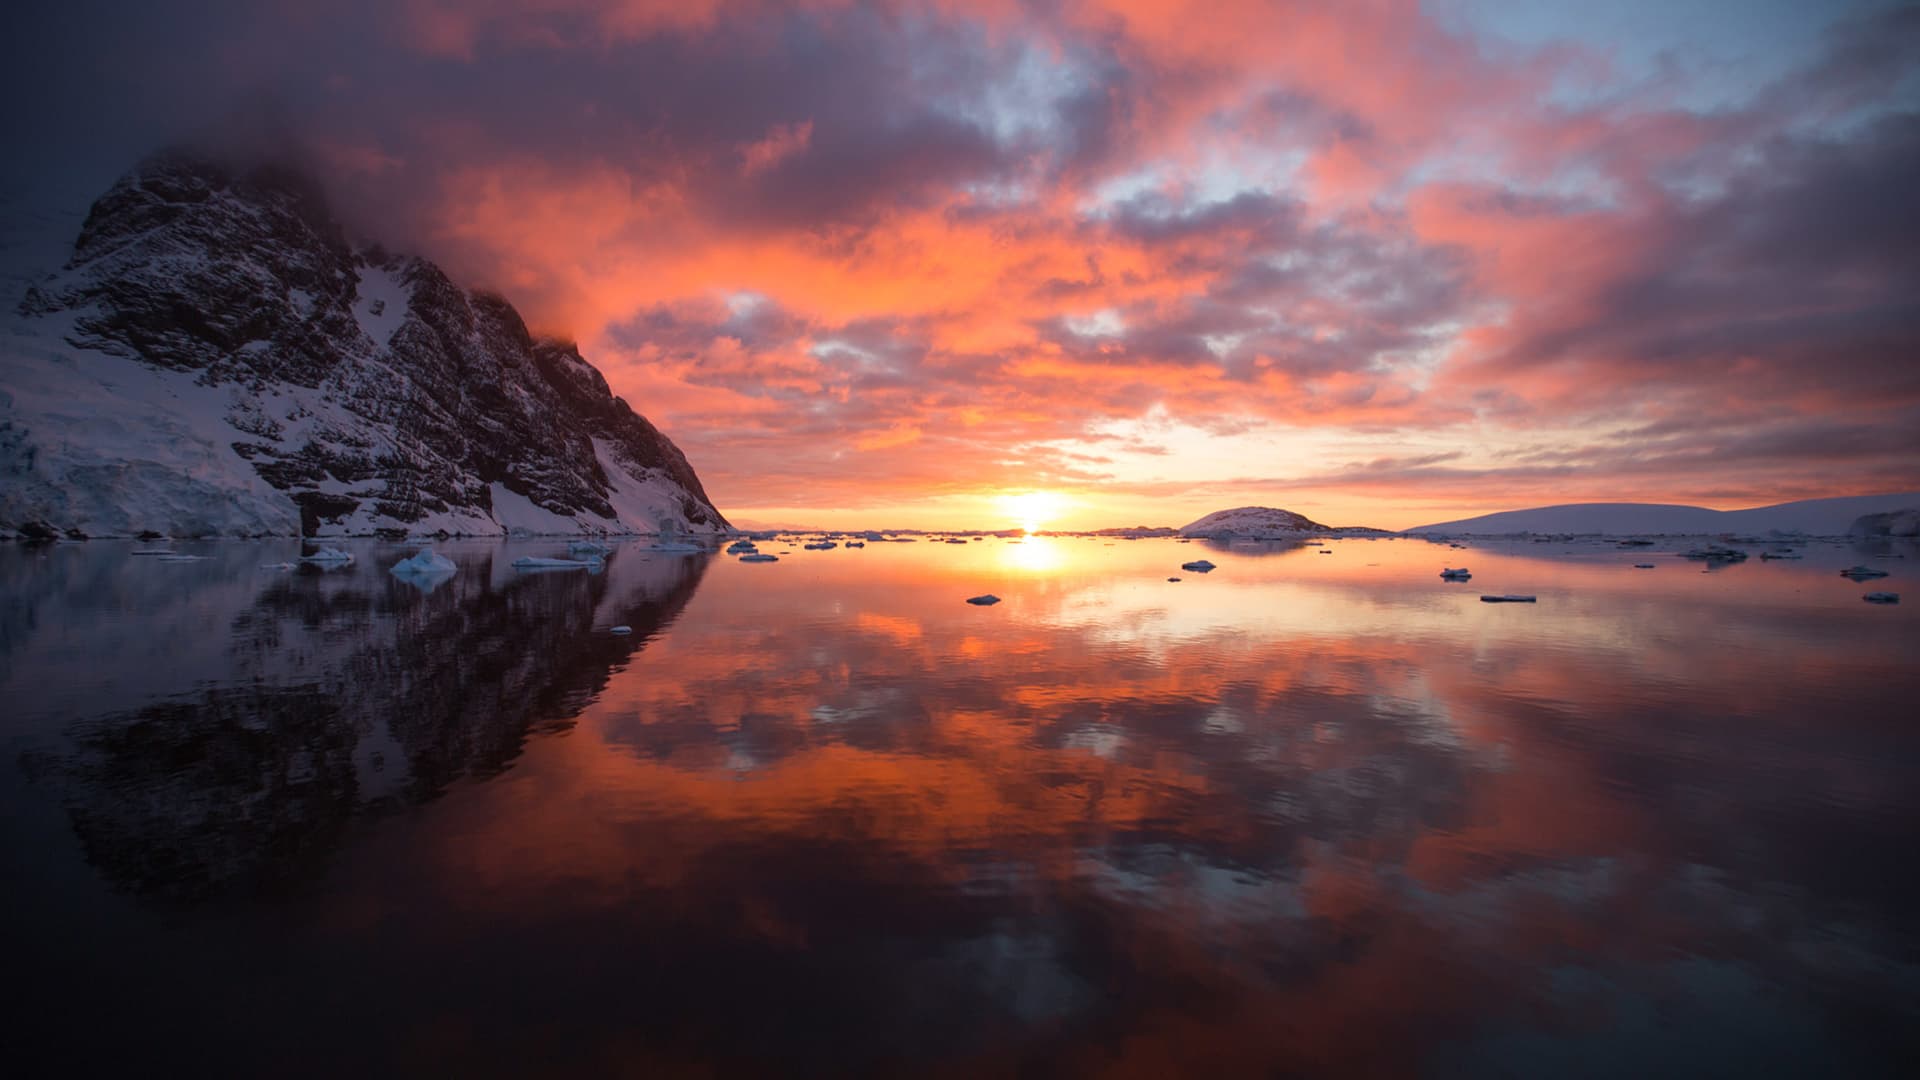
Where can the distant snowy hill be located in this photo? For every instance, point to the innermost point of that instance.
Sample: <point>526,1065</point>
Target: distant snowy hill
<point>216,359</point>
<point>1817,517</point>
<point>1256,522</point>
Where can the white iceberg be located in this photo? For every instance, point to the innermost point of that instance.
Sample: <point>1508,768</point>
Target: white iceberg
<point>583,548</point>
<point>424,561</point>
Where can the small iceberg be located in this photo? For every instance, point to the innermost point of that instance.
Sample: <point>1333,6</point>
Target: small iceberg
<point>857,543</point>
<point>755,556</point>
<point>328,556</point>
<point>987,600</point>
<point>824,545</point>
<point>1862,573</point>
<point>1766,555</point>
<point>532,562</point>
<point>1198,566</point>
<point>742,547</point>
<point>1643,566</point>
<point>1882,598</point>
<point>620,630</point>
<point>1173,579</point>
<point>1456,574</point>
<point>424,562</point>
<point>670,540</point>
<point>1510,598</point>
<point>584,548</point>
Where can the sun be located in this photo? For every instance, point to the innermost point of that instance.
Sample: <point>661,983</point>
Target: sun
<point>1033,509</point>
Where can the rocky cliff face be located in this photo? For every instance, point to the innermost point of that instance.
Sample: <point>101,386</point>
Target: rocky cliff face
<point>218,358</point>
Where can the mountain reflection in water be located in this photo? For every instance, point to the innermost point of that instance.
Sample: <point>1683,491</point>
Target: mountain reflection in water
<point>1305,814</point>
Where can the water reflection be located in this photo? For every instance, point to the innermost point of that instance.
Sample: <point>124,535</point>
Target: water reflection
<point>335,694</point>
<point>1308,813</point>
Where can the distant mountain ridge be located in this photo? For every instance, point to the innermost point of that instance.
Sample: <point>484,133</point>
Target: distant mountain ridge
<point>1816,517</point>
<point>217,359</point>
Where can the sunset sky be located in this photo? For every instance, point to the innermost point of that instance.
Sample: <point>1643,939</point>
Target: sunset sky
<point>1113,262</point>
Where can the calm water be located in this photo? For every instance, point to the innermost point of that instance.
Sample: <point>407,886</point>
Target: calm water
<point>1312,813</point>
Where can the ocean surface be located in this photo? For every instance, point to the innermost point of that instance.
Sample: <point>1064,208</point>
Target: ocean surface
<point>1317,812</point>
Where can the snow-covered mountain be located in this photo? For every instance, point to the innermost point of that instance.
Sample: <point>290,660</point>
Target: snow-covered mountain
<point>217,359</point>
<point>1816,517</point>
<point>1257,522</point>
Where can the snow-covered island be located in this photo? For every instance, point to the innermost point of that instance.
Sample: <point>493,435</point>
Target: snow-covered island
<point>217,359</point>
<point>1265,523</point>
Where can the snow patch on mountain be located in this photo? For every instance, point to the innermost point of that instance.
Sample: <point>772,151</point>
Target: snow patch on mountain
<point>1256,522</point>
<point>1814,517</point>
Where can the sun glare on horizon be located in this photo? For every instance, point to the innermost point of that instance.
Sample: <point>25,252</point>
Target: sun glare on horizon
<point>1034,510</point>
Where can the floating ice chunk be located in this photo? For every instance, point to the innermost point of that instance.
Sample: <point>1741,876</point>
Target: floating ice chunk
<point>328,555</point>
<point>1456,573</point>
<point>532,562</point>
<point>1173,579</point>
<point>1715,553</point>
<point>1882,598</point>
<point>1198,566</point>
<point>988,600</point>
<point>742,547</point>
<point>1510,598</point>
<point>1862,573</point>
<point>424,561</point>
<point>856,543</point>
<point>620,630</point>
<point>755,556</point>
<point>824,545</point>
<point>1643,566</point>
<point>583,548</point>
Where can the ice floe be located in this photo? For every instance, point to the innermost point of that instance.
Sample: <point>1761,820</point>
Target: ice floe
<point>327,556</point>
<point>987,600</point>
